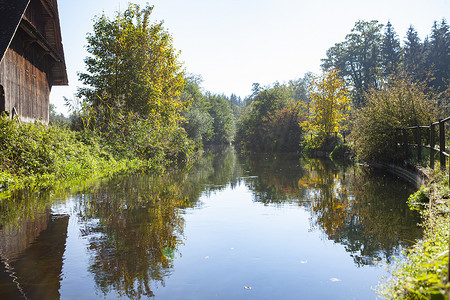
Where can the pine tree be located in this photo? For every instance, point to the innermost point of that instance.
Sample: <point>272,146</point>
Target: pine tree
<point>438,58</point>
<point>414,55</point>
<point>390,50</point>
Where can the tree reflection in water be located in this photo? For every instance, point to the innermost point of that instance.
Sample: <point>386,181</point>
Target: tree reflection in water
<point>362,208</point>
<point>134,225</point>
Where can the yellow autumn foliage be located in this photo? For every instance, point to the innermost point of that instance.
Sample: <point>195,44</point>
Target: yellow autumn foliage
<point>328,106</point>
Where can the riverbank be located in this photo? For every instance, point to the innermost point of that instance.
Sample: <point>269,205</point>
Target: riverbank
<point>425,272</point>
<point>39,156</point>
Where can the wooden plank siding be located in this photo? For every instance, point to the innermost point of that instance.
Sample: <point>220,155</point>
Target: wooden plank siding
<point>33,62</point>
<point>26,85</point>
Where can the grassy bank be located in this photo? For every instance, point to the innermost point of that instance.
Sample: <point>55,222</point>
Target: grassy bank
<point>39,156</point>
<point>424,273</point>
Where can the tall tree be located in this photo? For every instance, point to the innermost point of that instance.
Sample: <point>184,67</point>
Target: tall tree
<point>133,67</point>
<point>329,106</point>
<point>270,120</point>
<point>358,58</point>
<point>439,57</point>
<point>413,54</point>
<point>223,119</point>
<point>391,50</point>
<point>198,122</point>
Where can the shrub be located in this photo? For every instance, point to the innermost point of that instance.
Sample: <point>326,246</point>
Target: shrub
<point>39,155</point>
<point>398,103</point>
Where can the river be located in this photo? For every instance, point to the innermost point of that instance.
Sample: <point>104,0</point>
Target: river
<point>231,227</point>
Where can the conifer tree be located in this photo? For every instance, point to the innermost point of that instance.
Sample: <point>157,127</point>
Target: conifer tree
<point>390,51</point>
<point>413,54</point>
<point>439,58</point>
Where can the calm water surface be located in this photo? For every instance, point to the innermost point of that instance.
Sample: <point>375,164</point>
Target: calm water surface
<point>253,227</point>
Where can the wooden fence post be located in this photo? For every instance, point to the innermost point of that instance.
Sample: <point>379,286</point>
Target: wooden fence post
<point>405,143</point>
<point>419,144</point>
<point>442,144</point>
<point>432,142</point>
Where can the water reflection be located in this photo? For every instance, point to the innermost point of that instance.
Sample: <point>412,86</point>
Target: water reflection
<point>31,256</point>
<point>129,223</point>
<point>134,225</point>
<point>359,207</point>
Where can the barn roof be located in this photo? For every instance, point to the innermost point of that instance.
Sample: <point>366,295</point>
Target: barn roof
<point>13,14</point>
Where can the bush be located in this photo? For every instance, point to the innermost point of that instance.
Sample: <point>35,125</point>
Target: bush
<point>39,155</point>
<point>398,103</point>
<point>419,198</point>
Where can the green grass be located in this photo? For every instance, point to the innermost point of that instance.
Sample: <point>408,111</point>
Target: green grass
<point>39,156</point>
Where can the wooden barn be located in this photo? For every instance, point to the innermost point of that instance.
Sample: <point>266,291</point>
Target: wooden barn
<point>31,57</point>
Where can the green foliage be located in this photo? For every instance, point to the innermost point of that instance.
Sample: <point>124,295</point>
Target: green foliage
<point>423,275</point>
<point>414,55</point>
<point>367,57</point>
<point>199,124</point>
<point>134,81</point>
<point>223,119</point>
<point>416,200</point>
<point>340,151</point>
<point>57,119</point>
<point>133,66</point>
<point>358,58</point>
<point>270,119</point>
<point>398,103</point>
<point>437,58</point>
<point>210,119</point>
<point>390,50</point>
<point>37,155</point>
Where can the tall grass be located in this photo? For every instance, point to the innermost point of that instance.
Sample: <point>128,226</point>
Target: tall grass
<point>35,155</point>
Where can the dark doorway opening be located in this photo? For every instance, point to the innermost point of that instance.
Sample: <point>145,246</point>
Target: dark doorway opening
<point>2,100</point>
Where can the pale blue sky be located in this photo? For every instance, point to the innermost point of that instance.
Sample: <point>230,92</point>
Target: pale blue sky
<point>233,44</point>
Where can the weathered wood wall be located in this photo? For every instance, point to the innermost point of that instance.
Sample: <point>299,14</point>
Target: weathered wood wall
<point>24,76</point>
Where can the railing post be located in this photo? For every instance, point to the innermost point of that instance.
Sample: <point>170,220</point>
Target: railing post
<point>405,143</point>
<point>432,142</point>
<point>441,144</point>
<point>419,144</point>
